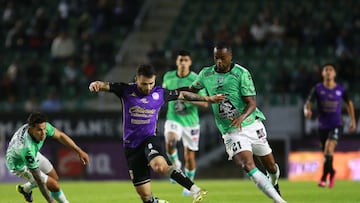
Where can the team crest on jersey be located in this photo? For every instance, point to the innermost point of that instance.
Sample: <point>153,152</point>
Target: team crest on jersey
<point>144,101</point>
<point>338,93</point>
<point>155,96</point>
<point>322,92</point>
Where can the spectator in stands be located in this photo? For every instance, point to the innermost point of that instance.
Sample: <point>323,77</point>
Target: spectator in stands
<point>88,69</point>
<point>16,37</point>
<point>259,31</point>
<point>32,103</point>
<point>205,37</point>
<point>52,103</point>
<point>62,47</point>
<point>275,34</point>
<point>242,36</point>
<point>72,74</point>
<point>9,15</point>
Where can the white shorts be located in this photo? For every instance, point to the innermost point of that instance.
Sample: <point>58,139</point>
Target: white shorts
<point>250,138</point>
<point>189,135</point>
<point>45,167</point>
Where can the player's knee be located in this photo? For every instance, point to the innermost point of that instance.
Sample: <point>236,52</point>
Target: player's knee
<point>247,165</point>
<point>160,167</point>
<point>145,195</point>
<point>52,185</point>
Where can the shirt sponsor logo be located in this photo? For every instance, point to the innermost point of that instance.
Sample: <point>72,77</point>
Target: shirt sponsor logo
<point>155,96</point>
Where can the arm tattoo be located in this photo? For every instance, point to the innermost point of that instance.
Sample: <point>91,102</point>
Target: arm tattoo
<point>188,96</point>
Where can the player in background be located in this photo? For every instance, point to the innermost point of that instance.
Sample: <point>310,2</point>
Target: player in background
<point>329,96</point>
<point>142,102</point>
<point>24,160</point>
<point>239,120</point>
<point>182,118</point>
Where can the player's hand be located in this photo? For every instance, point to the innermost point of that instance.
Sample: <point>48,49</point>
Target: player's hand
<point>307,113</point>
<point>94,86</point>
<point>236,122</point>
<point>352,127</point>
<point>84,157</point>
<point>216,98</point>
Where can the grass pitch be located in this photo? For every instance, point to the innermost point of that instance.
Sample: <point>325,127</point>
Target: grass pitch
<point>220,191</point>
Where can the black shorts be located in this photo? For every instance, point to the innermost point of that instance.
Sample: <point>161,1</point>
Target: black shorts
<point>331,134</point>
<point>138,159</point>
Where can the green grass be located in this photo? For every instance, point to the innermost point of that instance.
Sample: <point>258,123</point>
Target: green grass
<point>220,191</point>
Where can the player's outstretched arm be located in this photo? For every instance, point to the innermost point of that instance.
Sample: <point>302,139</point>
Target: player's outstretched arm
<point>97,86</point>
<point>42,187</point>
<point>351,112</point>
<point>189,96</point>
<point>67,141</point>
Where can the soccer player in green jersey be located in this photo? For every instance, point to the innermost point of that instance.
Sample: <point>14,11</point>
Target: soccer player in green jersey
<point>24,160</point>
<point>239,120</point>
<point>182,118</point>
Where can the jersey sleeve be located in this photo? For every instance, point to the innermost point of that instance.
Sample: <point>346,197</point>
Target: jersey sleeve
<point>118,88</point>
<point>198,82</point>
<point>345,96</point>
<point>170,95</point>
<point>50,129</point>
<point>30,158</point>
<point>247,87</point>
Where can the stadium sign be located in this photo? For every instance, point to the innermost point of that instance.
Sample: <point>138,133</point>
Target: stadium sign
<point>76,125</point>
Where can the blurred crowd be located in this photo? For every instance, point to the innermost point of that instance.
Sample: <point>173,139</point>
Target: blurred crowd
<point>52,49</point>
<point>297,36</point>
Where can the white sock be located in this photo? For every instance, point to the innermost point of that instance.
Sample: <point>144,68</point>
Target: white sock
<point>264,184</point>
<point>59,196</point>
<point>274,177</point>
<point>194,189</point>
<point>28,186</point>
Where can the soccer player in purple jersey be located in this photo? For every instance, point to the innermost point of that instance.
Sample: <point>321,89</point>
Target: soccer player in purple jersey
<point>142,101</point>
<point>329,96</point>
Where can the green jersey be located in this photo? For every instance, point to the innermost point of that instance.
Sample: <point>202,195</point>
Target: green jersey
<point>23,148</point>
<point>184,113</point>
<point>234,85</point>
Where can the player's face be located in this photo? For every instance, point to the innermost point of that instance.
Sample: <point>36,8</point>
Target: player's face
<point>222,58</point>
<point>145,84</point>
<point>38,132</point>
<point>183,62</point>
<point>328,73</point>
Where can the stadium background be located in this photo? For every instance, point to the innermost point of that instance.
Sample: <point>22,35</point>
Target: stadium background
<point>52,49</point>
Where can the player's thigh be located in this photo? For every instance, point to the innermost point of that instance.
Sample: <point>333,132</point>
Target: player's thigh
<point>44,163</point>
<point>191,138</point>
<point>257,135</point>
<point>172,129</point>
<point>139,170</point>
<point>236,142</point>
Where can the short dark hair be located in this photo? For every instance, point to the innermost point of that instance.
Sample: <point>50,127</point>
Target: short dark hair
<point>183,53</point>
<point>36,118</point>
<point>145,70</point>
<point>223,45</point>
<point>328,64</point>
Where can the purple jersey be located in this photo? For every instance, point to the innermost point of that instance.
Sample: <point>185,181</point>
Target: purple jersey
<point>140,112</point>
<point>329,104</point>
